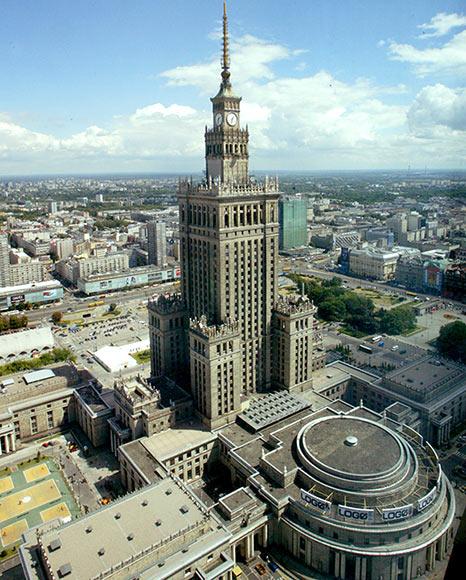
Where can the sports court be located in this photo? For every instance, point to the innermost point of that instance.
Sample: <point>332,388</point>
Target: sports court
<point>33,493</point>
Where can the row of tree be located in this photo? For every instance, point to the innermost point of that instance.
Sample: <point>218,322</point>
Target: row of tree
<point>49,358</point>
<point>338,304</point>
<point>13,322</point>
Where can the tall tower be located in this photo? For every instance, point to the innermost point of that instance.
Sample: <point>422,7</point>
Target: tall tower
<point>229,239</point>
<point>4,260</point>
<point>157,243</point>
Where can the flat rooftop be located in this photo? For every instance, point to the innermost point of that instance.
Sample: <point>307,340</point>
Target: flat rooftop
<point>154,520</point>
<point>427,374</point>
<point>92,400</point>
<point>18,390</point>
<point>177,441</point>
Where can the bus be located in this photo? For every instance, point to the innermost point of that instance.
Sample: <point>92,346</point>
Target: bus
<point>365,348</point>
<point>409,293</point>
<point>96,303</point>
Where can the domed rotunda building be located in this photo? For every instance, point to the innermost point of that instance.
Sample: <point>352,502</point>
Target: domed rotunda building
<point>352,494</point>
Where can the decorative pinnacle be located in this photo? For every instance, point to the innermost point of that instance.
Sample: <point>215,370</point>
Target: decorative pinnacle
<point>226,48</point>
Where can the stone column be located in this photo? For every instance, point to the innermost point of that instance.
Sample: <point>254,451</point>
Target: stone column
<point>1,445</point>
<point>6,439</point>
<point>13,442</point>
<point>363,568</point>
<point>265,536</point>
<point>409,565</point>
<point>342,565</point>
<point>337,565</point>
<point>357,570</point>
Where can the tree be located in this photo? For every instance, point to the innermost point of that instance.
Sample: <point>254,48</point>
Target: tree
<point>112,307</point>
<point>57,317</point>
<point>397,320</point>
<point>333,309</point>
<point>451,341</point>
<point>360,313</point>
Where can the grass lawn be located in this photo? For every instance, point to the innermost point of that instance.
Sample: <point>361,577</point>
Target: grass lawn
<point>380,300</point>
<point>142,357</point>
<point>414,331</point>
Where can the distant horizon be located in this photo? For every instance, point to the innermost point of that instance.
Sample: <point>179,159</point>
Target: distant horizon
<point>271,172</point>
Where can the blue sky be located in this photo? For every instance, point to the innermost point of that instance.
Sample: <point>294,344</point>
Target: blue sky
<point>112,85</point>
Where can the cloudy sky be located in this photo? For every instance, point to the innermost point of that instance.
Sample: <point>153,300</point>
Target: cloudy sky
<point>112,85</point>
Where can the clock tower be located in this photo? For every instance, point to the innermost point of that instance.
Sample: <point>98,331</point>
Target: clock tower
<point>226,143</point>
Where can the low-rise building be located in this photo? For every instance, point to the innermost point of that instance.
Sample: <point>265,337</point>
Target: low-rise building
<point>373,263</point>
<point>37,293</point>
<point>36,403</point>
<point>131,278</point>
<point>162,531</point>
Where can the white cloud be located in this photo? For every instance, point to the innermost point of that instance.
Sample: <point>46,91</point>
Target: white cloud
<point>306,122</point>
<point>441,24</point>
<point>438,108</point>
<point>251,60</point>
<point>449,59</point>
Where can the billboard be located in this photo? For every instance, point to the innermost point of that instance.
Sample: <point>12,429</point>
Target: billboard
<point>398,513</point>
<point>315,501</point>
<point>427,499</point>
<point>363,515</point>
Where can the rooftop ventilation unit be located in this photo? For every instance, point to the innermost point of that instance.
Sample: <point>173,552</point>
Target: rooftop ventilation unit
<point>55,545</point>
<point>101,552</point>
<point>117,516</point>
<point>88,529</point>
<point>64,570</point>
<point>184,509</point>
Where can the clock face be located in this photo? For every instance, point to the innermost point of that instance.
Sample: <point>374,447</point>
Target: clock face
<point>218,119</point>
<point>232,119</point>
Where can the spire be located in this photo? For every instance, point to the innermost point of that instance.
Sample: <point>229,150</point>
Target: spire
<point>226,49</point>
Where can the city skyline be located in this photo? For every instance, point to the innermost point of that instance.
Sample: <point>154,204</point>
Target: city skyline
<point>323,90</point>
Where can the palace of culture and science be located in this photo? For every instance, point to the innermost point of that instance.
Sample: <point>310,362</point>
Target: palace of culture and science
<point>228,449</point>
<point>229,330</point>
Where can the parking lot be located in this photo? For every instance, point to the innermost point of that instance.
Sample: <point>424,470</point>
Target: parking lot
<point>102,328</point>
<point>388,351</point>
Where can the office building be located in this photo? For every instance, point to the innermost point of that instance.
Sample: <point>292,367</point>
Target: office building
<point>74,269</point>
<point>62,248</point>
<point>157,243</point>
<point>4,261</point>
<point>53,206</point>
<point>29,272</point>
<point>292,214</point>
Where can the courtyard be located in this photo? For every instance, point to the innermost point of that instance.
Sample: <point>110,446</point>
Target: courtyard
<point>31,493</point>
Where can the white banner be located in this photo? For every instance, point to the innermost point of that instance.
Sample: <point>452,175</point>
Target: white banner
<point>398,513</point>
<point>363,515</point>
<point>316,502</point>
<point>427,499</point>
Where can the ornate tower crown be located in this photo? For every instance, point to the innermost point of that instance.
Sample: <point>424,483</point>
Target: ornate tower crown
<point>226,143</point>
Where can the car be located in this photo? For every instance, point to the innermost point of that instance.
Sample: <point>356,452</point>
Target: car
<point>273,567</point>
<point>260,569</point>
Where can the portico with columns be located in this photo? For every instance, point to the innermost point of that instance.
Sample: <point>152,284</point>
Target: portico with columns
<point>7,439</point>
